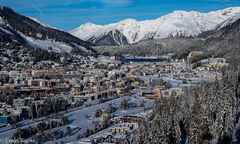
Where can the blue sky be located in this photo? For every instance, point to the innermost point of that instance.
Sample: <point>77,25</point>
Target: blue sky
<point>69,14</point>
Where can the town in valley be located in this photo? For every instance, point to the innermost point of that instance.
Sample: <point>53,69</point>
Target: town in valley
<point>174,79</point>
<point>94,99</point>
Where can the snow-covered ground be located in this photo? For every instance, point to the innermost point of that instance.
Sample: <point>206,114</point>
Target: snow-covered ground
<point>49,45</point>
<point>80,122</point>
<point>83,118</point>
<point>105,59</point>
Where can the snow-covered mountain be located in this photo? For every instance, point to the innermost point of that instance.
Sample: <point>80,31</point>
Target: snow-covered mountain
<point>16,28</point>
<point>177,23</point>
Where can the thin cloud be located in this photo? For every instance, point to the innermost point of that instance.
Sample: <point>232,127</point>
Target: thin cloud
<point>104,3</point>
<point>38,10</point>
<point>229,1</point>
<point>40,4</point>
<point>115,3</point>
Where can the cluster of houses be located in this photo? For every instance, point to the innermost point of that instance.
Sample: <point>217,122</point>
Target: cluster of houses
<point>100,79</point>
<point>93,80</point>
<point>165,80</point>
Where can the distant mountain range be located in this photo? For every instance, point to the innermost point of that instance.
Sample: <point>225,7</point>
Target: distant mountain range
<point>16,29</point>
<point>175,24</point>
<point>177,32</point>
<point>222,41</point>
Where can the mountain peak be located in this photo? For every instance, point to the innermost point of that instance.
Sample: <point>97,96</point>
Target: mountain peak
<point>89,24</point>
<point>129,20</point>
<point>85,30</point>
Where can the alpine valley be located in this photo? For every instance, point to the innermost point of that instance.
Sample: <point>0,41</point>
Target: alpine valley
<point>172,80</point>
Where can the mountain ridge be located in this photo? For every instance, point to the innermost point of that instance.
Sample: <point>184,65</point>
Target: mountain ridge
<point>177,23</point>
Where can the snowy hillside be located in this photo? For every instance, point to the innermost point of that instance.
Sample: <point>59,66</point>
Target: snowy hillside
<point>177,23</point>
<point>228,21</point>
<point>30,32</point>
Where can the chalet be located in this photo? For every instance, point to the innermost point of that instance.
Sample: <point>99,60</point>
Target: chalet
<point>15,74</point>
<point>122,128</point>
<point>53,74</point>
<point>34,90</point>
<point>132,119</point>
<point>151,94</point>
<point>38,82</point>
<point>172,92</point>
<point>37,73</point>
<point>19,102</point>
<point>7,87</point>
